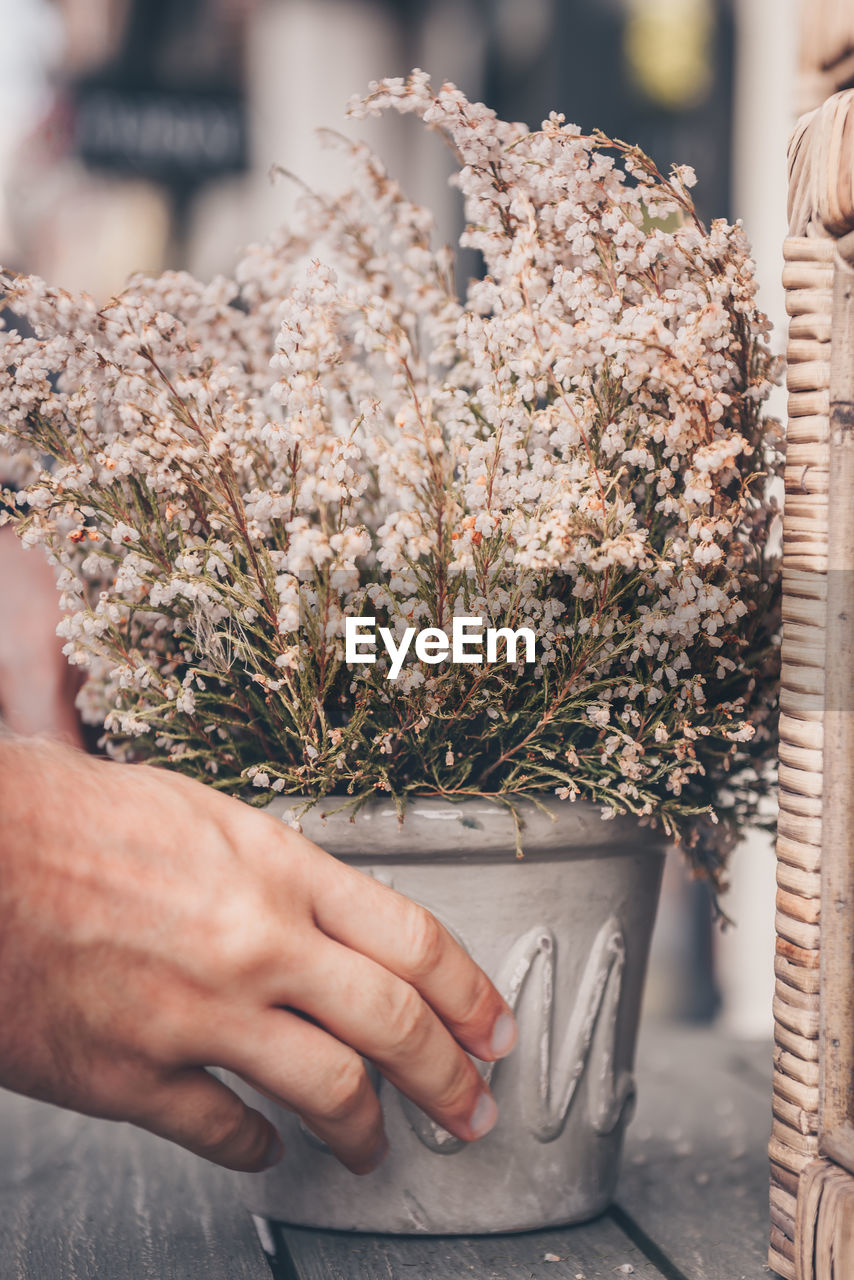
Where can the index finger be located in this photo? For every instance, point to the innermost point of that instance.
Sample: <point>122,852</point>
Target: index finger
<point>405,938</point>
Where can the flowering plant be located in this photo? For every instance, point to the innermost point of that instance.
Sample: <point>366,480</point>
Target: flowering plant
<point>577,448</point>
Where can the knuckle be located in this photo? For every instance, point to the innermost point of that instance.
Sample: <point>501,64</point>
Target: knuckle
<point>480,1003</point>
<point>409,1023</point>
<point>345,1090</point>
<point>460,1092</point>
<point>425,941</point>
<point>240,939</point>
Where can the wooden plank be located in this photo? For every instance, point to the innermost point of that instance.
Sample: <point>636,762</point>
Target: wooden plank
<point>593,1250</point>
<point>82,1199</point>
<point>695,1177</point>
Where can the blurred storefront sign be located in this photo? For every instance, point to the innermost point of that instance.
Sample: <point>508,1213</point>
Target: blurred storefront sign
<point>165,101</point>
<point>167,137</point>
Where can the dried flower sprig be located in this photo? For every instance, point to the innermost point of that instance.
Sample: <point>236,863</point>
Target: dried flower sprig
<point>577,447</point>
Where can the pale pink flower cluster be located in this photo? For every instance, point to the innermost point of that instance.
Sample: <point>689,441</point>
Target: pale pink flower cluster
<point>576,446</point>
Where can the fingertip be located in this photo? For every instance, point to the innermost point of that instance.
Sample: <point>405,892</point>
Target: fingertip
<point>204,1115</point>
<point>275,1151</point>
<point>373,1162</point>
<point>505,1034</point>
<point>484,1116</point>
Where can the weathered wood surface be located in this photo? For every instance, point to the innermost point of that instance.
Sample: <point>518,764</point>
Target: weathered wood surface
<point>84,1199</point>
<point>695,1175</point>
<point>594,1250</point>
<point>692,1202</point>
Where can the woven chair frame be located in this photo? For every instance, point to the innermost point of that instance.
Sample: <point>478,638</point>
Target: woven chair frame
<point>814,1049</point>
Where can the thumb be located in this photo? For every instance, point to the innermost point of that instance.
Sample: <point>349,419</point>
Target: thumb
<point>200,1113</point>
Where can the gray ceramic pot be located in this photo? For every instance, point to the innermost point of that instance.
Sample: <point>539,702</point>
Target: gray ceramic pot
<point>564,933</point>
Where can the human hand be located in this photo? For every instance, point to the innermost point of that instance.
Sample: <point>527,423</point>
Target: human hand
<point>37,686</point>
<point>150,927</point>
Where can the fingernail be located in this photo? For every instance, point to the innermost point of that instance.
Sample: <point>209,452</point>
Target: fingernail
<point>504,1035</point>
<point>275,1151</point>
<point>484,1115</point>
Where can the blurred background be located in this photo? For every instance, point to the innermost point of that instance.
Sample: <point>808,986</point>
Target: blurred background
<point>141,134</point>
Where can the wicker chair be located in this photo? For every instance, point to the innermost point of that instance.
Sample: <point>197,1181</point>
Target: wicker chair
<point>812,1143</point>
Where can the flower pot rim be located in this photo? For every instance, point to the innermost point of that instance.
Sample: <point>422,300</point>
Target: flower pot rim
<point>473,829</point>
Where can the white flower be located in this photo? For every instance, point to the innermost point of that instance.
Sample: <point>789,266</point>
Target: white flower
<point>599,714</point>
<point>185,701</point>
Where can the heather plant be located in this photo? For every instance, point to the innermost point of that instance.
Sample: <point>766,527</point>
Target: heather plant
<point>577,447</point>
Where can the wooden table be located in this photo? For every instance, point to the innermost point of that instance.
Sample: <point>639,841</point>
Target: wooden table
<point>87,1200</point>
